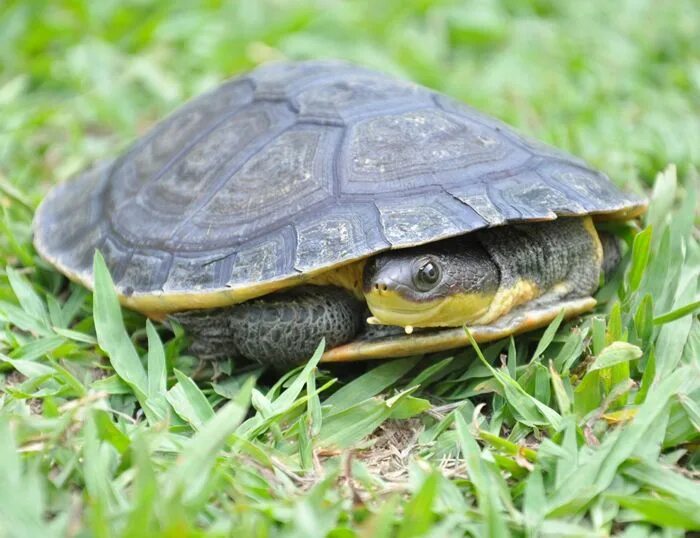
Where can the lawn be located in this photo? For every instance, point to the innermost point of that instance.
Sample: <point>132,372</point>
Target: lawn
<point>588,428</point>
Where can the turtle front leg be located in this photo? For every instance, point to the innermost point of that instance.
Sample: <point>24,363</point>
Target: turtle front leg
<point>279,329</point>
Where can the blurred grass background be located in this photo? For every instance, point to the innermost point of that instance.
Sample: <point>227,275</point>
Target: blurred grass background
<point>587,429</point>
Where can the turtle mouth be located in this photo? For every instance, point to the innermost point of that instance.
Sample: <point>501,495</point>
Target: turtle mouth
<point>413,314</point>
<point>391,308</point>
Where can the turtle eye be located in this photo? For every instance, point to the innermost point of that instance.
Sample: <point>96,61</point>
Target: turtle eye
<point>426,275</point>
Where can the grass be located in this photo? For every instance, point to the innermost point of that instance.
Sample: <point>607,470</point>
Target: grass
<point>588,428</point>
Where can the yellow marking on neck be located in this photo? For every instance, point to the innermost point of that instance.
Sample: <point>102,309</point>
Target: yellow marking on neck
<point>506,299</point>
<point>390,308</point>
<point>590,228</point>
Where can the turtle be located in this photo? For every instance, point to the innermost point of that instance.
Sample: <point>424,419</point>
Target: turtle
<point>309,200</point>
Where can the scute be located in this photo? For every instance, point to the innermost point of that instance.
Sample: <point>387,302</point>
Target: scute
<point>160,214</point>
<point>393,149</point>
<point>294,168</point>
<point>338,101</point>
<point>418,219</point>
<point>337,234</point>
<point>152,154</point>
<point>181,184</point>
<point>288,175</point>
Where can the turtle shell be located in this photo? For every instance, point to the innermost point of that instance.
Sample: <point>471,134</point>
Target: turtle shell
<point>296,168</point>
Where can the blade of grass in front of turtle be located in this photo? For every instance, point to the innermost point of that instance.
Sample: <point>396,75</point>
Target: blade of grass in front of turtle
<point>12,192</point>
<point>28,298</point>
<point>675,513</point>
<point>408,406</point>
<point>560,394</point>
<point>664,480</point>
<point>548,335</point>
<point>19,248</point>
<point>426,376</point>
<point>37,348</point>
<point>99,483</point>
<point>111,333</point>
<point>525,407</point>
<point>144,490</point>
<point>382,524</point>
<point>484,486</point>
<point>17,317</point>
<point>23,514</point>
<point>673,336</point>
<point>641,249</point>
<point>268,418</point>
<point>109,432</point>
<point>662,196</point>
<point>678,313</point>
<point>370,383</point>
<point>534,502</point>
<point>418,512</point>
<point>189,402</point>
<point>614,354</point>
<point>286,399</point>
<point>351,424</point>
<point>199,454</point>
<point>157,369</point>
<point>28,368</point>
<point>314,413</point>
<point>596,474</point>
<point>342,429</point>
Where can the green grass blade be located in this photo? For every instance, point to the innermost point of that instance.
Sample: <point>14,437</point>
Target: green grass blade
<point>640,257</point>
<point>313,410</point>
<point>371,383</point>
<point>111,334</point>
<point>286,399</point>
<point>484,486</point>
<point>673,513</point>
<point>419,515</point>
<point>342,429</point>
<point>614,354</point>
<point>677,313</point>
<point>528,409</point>
<point>534,502</point>
<point>28,299</point>
<point>22,496</point>
<point>199,455</point>
<point>548,336</point>
<point>189,402</point>
<point>665,480</point>
<point>157,370</point>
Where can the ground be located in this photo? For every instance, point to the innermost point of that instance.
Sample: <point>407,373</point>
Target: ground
<point>588,428</point>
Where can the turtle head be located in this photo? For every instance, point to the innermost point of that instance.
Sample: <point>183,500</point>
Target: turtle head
<point>439,285</point>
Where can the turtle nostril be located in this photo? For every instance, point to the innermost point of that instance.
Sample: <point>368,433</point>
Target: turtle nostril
<point>380,287</point>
